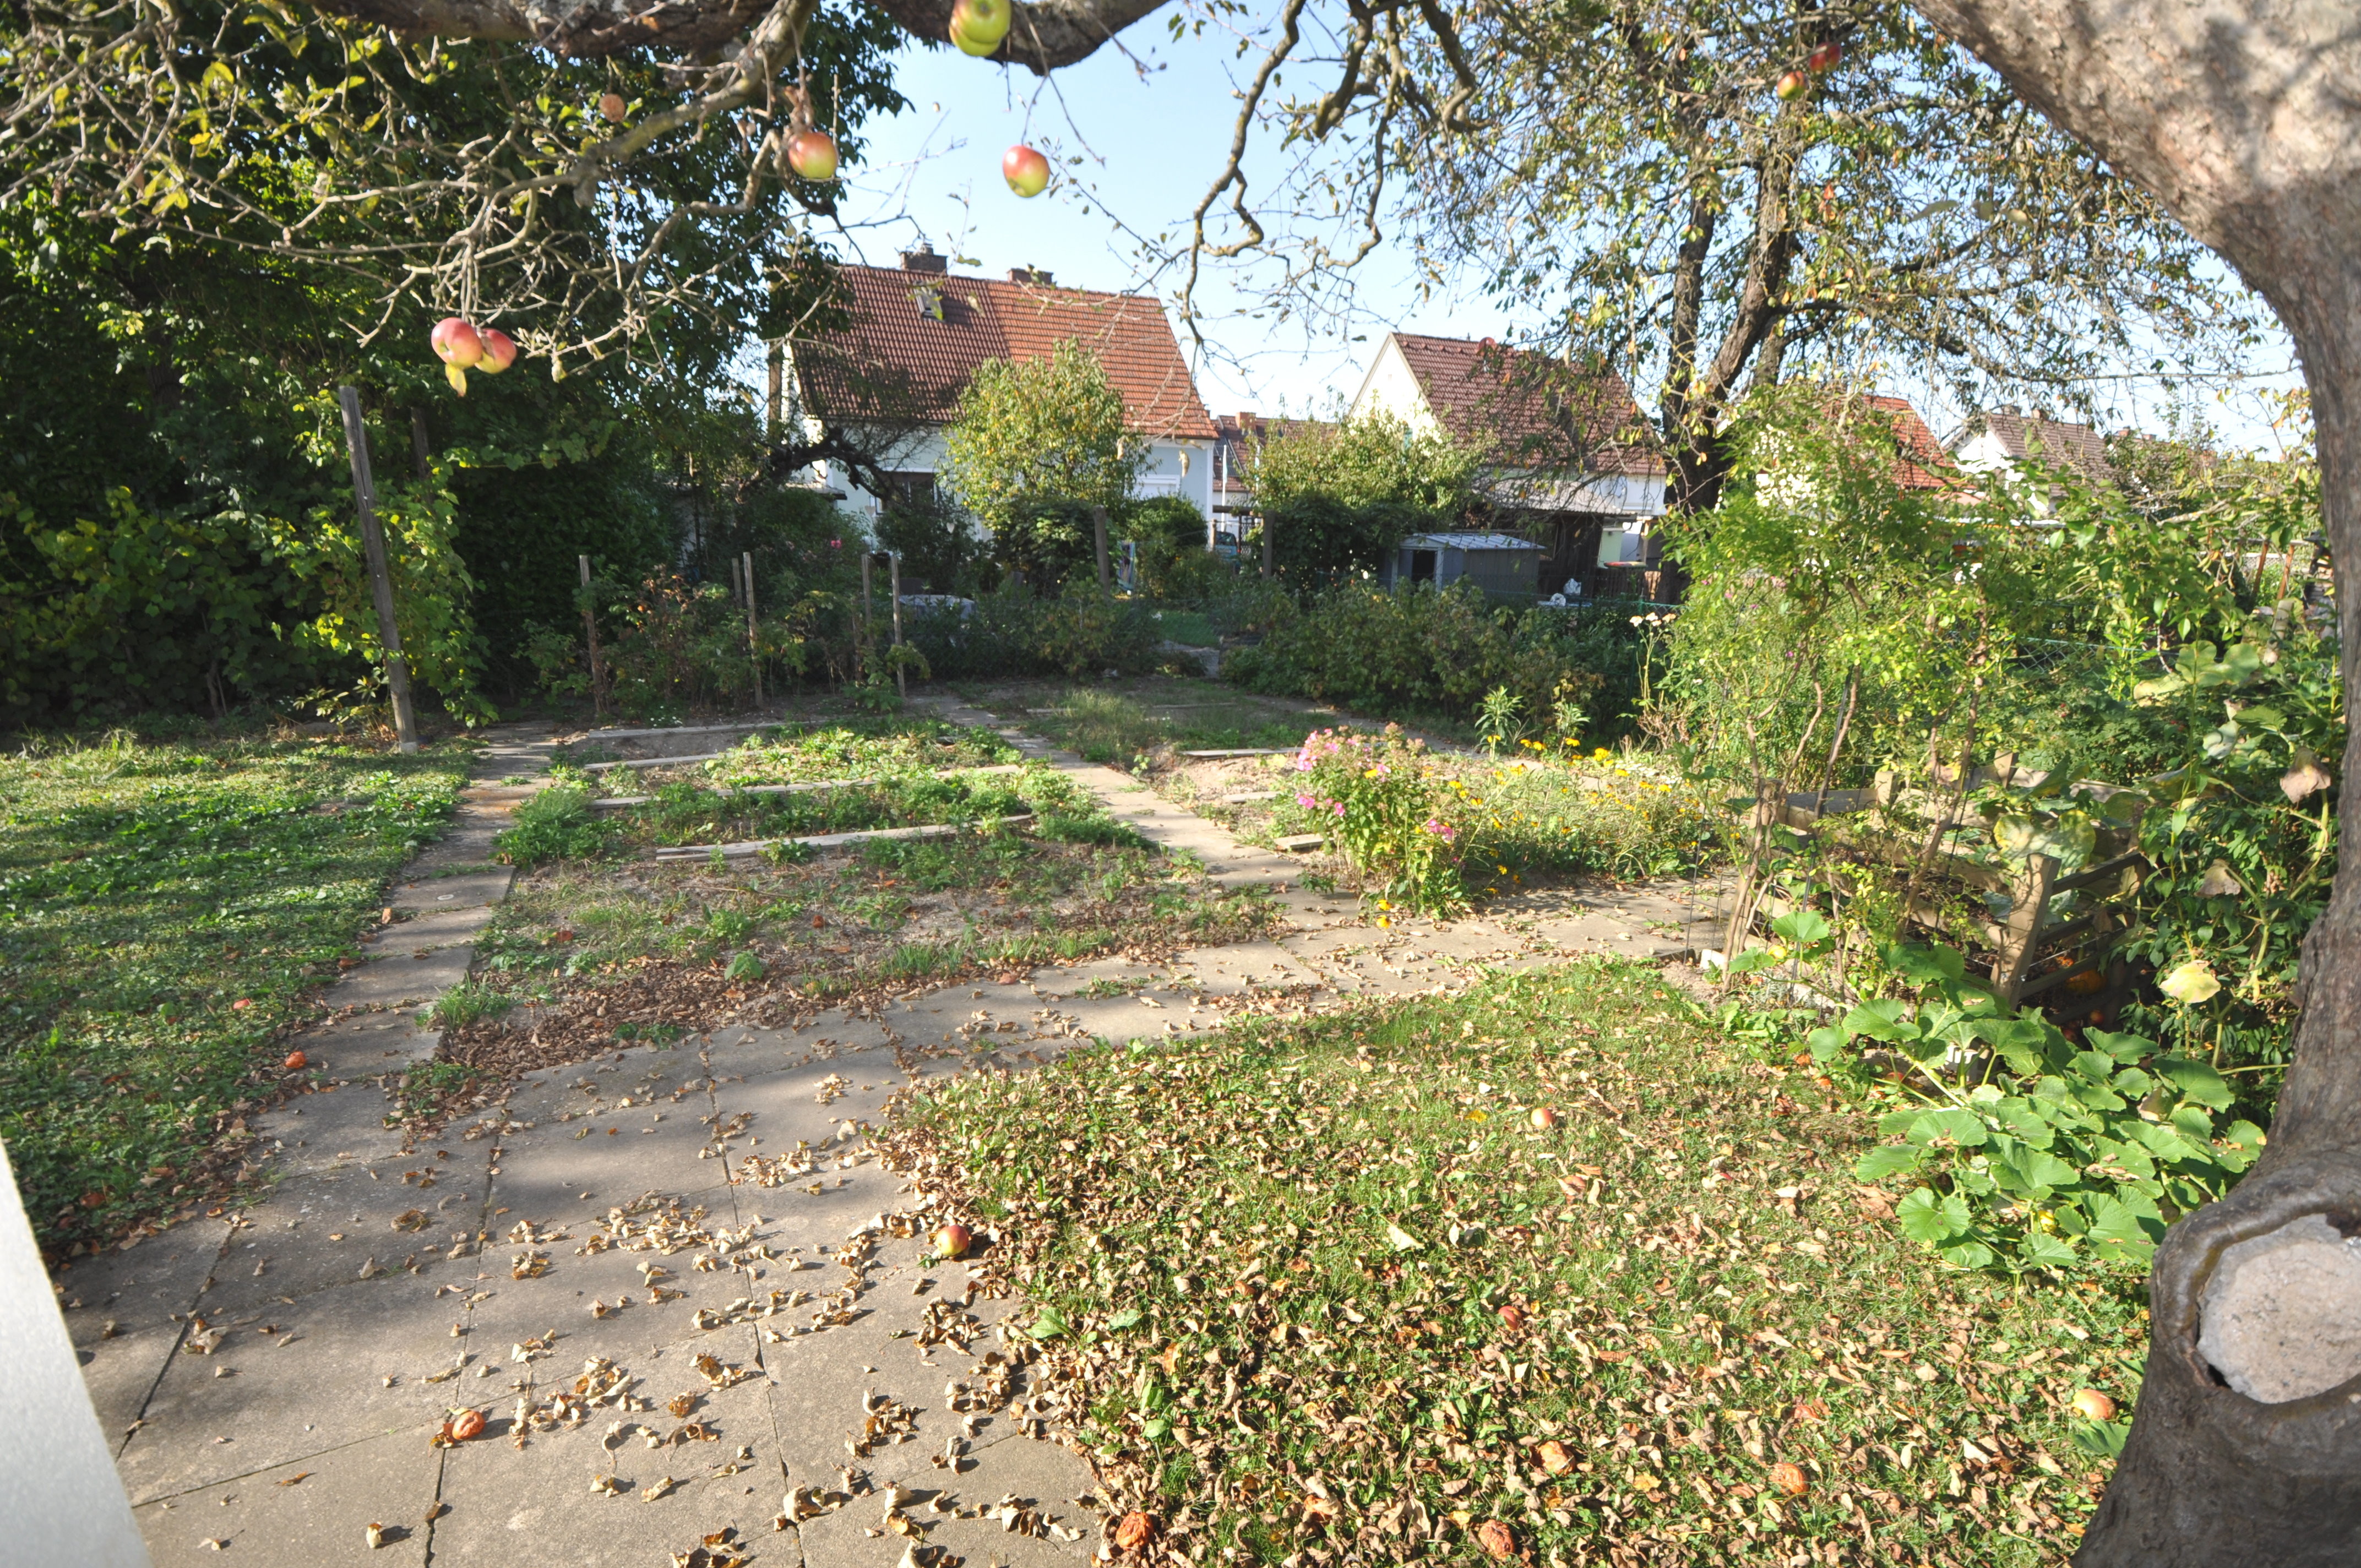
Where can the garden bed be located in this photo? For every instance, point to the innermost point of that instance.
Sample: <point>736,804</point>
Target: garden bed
<point>167,914</point>
<point>1325,1291</point>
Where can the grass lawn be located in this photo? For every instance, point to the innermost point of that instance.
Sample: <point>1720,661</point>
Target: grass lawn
<point>166,911</point>
<point>1322,1287</point>
<point>1117,725</point>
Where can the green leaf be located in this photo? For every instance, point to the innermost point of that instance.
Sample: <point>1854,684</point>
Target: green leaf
<point>2041,1250</point>
<point>1967,1254</point>
<point>2125,1048</point>
<point>1803,928</point>
<point>2102,1440</point>
<point>1965,1129</point>
<point>2197,1080</point>
<point>1827,1044</point>
<point>1926,1218</point>
<point>1893,1159</point>
<point>1928,964</point>
<point>1130,1317</point>
<point>1752,959</point>
<point>2116,1235</point>
<point>1047,1323</point>
<point>1886,1019</point>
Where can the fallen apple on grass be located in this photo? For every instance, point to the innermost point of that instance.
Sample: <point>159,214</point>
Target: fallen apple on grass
<point>1789,1480</point>
<point>1543,1118</point>
<point>1026,172</point>
<point>812,155</point>
<point>2096,1406</point>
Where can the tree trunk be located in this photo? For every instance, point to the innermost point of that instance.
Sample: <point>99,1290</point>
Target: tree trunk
<point>2243,119</point>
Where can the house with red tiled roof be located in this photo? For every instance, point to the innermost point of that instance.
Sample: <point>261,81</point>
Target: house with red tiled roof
<point>890,378</point>
<point>2004,439</point>
<point>1571,462</point>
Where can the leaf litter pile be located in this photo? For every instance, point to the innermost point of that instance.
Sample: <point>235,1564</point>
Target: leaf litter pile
<point>1331,1291</point>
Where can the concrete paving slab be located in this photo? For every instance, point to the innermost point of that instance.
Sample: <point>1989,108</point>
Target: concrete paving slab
<point>333,1129</point>
<point>441,928</point>
<point>321,1230</point>
<point>402,980</point>
<point>316,1510</point>
<point>454,892</point>
<point>283,1385</point>
<point>140,1287</point>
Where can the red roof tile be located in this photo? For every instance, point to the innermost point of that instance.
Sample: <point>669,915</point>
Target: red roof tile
<point>898,361</point>
<point>1527,404</point>
<point>2076,446</point>
<point>1924,464</point>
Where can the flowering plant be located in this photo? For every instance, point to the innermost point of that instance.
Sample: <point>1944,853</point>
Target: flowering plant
<point>1376,798</point>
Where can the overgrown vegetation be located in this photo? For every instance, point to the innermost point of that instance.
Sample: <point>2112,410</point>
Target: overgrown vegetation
<point>167,910</point>
<point>1332,1286</point>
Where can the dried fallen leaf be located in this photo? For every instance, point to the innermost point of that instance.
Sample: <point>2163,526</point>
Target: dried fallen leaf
<point>650,1494</point>
<point>296,1478</point>
<point>1554,1457</point>
<point>374,1533</point>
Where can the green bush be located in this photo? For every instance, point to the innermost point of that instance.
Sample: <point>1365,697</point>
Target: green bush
<point>1420,650</point>
<point>555,824</point>
<point>1010,631</point>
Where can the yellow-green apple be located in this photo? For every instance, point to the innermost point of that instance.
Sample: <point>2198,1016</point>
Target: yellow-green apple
<point>1026,172</point>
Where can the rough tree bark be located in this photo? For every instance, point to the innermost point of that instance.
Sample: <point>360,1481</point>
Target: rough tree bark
<point>2244,120</point>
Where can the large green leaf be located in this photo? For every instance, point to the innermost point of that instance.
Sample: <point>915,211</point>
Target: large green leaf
<point>1891,1159</point>
<point>2042,1250</point>
<point>2197,1080</point>
<point>1886,1019</point>
<point>1926,1218</point>
<point>1929,964</point>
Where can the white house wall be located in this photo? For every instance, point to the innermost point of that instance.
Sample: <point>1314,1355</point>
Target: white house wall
<point>925,452</point>
<point>1392,386</point>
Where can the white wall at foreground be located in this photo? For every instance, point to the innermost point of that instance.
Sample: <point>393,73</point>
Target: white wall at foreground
<point>61,1502</point>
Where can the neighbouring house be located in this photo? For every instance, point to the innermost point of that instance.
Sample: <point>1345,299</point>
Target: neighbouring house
<point>1924,464</point>
<point>1571,464</point>
<point>889,381</point>
<point>2003,440</point>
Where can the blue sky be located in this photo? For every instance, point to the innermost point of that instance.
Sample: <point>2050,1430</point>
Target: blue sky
<point>1152,128</point>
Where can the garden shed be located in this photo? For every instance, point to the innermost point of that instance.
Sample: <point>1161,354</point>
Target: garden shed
<point>1502,564</point>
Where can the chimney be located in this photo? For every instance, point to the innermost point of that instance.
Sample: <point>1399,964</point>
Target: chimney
<point>1029,275</point>
<point>924,259</point>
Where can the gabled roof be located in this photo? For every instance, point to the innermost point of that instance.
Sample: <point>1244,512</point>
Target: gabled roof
<point>2025,436</point>
<point>1529,407</point>
<point>1924,464</point>
<point>915,339</point>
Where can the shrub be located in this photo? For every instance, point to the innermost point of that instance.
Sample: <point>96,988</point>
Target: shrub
<point>1012,633</point>
<point>1420,650</point>
<point>555,824</point>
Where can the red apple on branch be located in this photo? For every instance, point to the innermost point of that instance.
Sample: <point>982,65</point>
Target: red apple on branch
<point>455,342</point>
<point>499,350</point>
<point>812,155</point>
<point>1792,85</point>
<point>1824,59</point>
<point>1026,172</point>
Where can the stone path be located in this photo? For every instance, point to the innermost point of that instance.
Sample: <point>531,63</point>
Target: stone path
<point>275,1379</point>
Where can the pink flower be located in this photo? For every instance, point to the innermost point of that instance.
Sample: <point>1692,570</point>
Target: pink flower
<point>1306,802</point>
<point>1340,808</point>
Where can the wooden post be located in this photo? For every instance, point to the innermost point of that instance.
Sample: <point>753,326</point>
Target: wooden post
<point>418,449</point>
<point>901,676</point>
<point>753,640</point>
<point>1098,532</point>
<point>590,630</point>
<point>776,358</point>
<point>397,670</point>
<point>868,558</point>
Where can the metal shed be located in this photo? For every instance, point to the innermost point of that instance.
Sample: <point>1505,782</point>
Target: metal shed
<point>1502,565</point>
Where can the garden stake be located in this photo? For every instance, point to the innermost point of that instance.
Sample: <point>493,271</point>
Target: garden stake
<point>753,640</point>
<point>1098,531</point>
<point>861,652</point>
<point>901,676</point>
<point>397,670</point>
<point>590,628</point>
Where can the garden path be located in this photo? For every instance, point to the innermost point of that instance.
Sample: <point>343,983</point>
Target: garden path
<point>275,1377</point>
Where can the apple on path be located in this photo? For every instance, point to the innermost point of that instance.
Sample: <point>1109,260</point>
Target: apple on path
<point>812,155</point>
<point>1792,85</point>
<point>1026,172</point>
<point>499,350</point>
